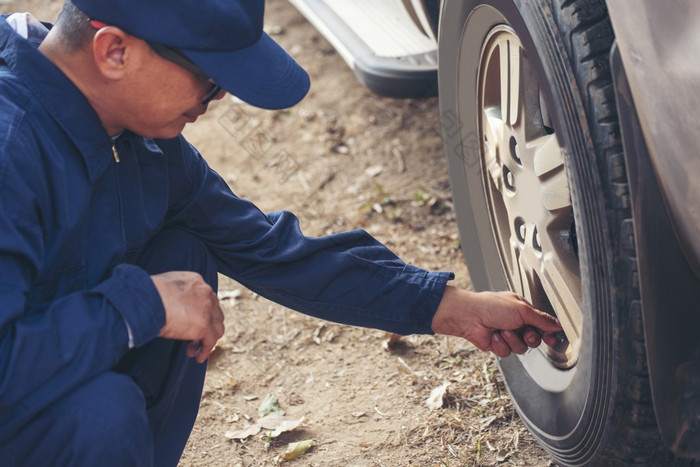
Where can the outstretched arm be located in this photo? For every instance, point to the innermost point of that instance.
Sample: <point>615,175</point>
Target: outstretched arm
<point>500,322</point>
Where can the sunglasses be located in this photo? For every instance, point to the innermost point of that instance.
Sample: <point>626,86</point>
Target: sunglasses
<point>177,57</point>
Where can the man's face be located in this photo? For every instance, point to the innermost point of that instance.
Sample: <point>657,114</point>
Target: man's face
<point>163,97</point>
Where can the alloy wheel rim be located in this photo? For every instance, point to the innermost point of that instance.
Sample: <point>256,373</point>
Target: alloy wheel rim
<point>527,189</point>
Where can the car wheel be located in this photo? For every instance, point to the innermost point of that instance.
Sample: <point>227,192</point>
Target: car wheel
<point>539,185</point>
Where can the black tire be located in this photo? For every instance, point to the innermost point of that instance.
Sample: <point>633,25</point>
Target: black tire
<point>587,400</point>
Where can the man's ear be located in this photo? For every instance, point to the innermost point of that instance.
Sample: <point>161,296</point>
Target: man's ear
<point>111,48</point>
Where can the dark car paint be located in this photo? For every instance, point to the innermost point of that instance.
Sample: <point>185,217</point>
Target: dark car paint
<point>659,44</point>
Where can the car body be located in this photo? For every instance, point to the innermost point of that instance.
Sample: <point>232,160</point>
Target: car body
<point>620,101</point>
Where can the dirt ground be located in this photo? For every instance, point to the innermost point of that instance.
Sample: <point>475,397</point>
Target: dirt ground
<point>341,159</point>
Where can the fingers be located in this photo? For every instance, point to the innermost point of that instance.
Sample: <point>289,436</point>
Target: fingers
<point>205,346</point>
<point>514,341</point>
<point>543,321</point>
<point>499,346</point>
<point>193,348</point>
<point>200,350</point>
<point>531,337</point>
<point>192,311</point>
<point>551,339</point>
<point>536,318</point>
<point>505,342</point>
<point>210,325</point>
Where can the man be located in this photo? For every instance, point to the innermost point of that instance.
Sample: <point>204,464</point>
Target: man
<point>113,229</point>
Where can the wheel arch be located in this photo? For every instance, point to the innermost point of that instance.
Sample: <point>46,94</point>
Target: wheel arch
<point>669,288</point>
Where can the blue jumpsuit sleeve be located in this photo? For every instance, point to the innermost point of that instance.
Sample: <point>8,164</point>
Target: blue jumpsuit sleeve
<point>51,344</point>
<point>348,277</point>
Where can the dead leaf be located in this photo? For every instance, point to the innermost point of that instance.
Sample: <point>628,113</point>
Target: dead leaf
<point>228,294</point>
<point>503,455</point>
<point>435,401</point>
<point>272,421</point>
<point>252,430</point>
<point>288,424</point>
<point>317,333</point>
<point>270,405</point>
<point>374,170</point>
<point>276,422</point>
<point>217,345</point>
<point>297,449</point>
<point>485,422</point>
<point>405,366</point>
<point>389,340</point>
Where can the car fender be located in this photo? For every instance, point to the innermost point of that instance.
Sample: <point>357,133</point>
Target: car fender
<point>669,286</point>
<point>658,44</point>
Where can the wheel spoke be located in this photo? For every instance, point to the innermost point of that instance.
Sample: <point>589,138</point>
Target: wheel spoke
<point>549,167</point>
<point>547,154</point>
<point>565,299</point>
<point>529,260</point>
<point>528,264</point>
<point>514,82</point>
<point>555,192</point>
<point>509,56</point>
<point>494,129</point>
<point>515,271</point>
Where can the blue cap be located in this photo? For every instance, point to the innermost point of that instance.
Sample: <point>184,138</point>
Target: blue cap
<point>224,38</point>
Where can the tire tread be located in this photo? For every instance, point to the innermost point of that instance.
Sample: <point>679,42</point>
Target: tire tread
<point>588,40</point>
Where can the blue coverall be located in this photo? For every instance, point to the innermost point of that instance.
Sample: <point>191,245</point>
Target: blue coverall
<point>82,372</point>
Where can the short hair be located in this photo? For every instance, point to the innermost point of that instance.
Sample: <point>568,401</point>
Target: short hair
<point>73,26</point>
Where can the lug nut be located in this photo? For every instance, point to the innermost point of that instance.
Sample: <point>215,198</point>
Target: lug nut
<point>523,232</point>
<point>510,179</point>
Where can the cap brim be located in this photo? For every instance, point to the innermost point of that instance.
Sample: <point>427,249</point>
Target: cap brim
<point>262,74</point>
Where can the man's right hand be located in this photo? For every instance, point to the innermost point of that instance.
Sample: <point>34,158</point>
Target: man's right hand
<point>499,322</point>
<point>192,311</point>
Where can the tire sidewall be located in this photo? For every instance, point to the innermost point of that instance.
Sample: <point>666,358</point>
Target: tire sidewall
<point>571,419</point>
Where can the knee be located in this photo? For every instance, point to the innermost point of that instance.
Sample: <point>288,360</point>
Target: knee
<point>111,415</point>
<point>175,249</point>
<point>102,422</point>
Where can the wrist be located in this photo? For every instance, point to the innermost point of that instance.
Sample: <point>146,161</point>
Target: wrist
<point>451,306</point>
